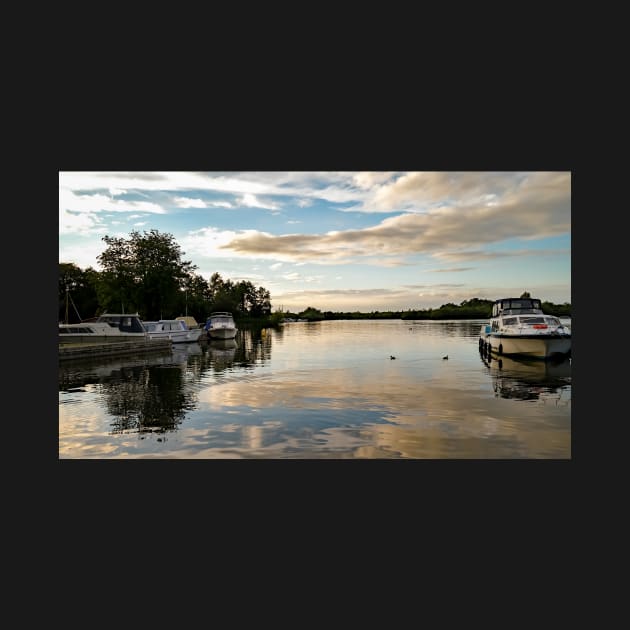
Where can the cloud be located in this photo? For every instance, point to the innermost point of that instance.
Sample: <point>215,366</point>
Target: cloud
<point>492,255</point>
<point>425,191</point>
<point>187,202</point>
<point>537,206</point>
<point>77,213</point>
<point>367,180</point>
<point>251,201</point>
<point>83,255</point>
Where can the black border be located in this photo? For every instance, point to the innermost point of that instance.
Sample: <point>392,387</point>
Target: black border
<point>268,135</point>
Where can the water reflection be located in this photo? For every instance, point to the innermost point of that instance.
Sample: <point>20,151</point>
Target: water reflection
<point>524,379</point>
<point>328,390</point>
<point>256,346</point>
<point>143,393</point>
<point>154,392</point>
<point>447,328</point>
<point>148,400</point>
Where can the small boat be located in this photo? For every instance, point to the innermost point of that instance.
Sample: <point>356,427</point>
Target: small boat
<point>190,321</point>
<point>173,329</point>
<point>108,327</point>
<point>519,327</point>
<point>220,325</point>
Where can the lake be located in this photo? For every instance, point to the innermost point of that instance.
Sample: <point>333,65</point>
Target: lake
<point>319,390</point>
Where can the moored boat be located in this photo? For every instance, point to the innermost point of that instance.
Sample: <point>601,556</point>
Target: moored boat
<point>220,325</point>
<point>107,328</point>
<point>519,327</point>
<point>174,329</point>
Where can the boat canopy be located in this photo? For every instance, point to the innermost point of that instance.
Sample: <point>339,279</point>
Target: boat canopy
<point>516,306</point>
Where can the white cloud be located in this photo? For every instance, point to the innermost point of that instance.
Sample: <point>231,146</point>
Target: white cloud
<point>187,202</point>
<point>251,201</point>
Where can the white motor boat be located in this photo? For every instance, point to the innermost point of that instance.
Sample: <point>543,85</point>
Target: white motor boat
<point>174,329</point>
<point>519,327</point>
<point>220,325</point>
<point>108,327</point>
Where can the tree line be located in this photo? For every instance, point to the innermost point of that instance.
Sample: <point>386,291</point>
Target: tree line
<point>146,274</point>
<point>475,308</point>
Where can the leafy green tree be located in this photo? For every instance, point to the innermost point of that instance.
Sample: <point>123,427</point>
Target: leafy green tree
<point>312,314</point>
<point>78,298</point>
<point>144,273</point>
<point>116,289</point>
<point>195,297</point>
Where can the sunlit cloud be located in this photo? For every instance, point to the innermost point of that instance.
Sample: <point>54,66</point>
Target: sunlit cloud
<point>251,201</point>
<point>186,202</point>
<point>367,180</point>
<point>447,231</point>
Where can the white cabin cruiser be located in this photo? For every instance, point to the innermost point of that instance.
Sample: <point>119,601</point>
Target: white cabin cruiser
<point>174,329</point>
<point>519,327</point>
<point>220,325</point>
<point>108,327</point>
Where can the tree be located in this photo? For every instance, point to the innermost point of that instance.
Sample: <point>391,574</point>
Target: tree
<point>78,298</point>
<point>144,273</point>
<point>525,294</point>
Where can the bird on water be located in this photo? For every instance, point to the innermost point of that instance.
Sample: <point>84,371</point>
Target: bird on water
<point>391,356</point>
<point>446,357</point>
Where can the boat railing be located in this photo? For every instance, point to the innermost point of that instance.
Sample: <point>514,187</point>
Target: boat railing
<point>520,311</point>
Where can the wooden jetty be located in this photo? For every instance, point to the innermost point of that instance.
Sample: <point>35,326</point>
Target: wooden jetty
<point>89,350</point>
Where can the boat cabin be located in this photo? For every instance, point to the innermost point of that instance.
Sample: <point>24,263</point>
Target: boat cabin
<point>516,306</point>
<point>127,323</point>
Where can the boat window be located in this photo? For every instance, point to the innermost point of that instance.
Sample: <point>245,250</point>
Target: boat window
<point>533,320</point>
<point>552,321</point>
<point>510,321</point>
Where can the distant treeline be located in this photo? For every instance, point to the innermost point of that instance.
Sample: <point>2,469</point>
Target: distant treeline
<point>475,308</point>
<point>146,273</point>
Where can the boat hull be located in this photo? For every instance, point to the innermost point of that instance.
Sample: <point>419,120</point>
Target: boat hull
<point>222,333</point>
<point>532,346</point>
<point>184,336</point>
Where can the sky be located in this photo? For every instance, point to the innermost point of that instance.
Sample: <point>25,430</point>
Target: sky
<point>340,241</point>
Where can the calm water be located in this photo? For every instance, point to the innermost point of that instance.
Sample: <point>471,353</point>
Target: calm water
<point>319,390</point>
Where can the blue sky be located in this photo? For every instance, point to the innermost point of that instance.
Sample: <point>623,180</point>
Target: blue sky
<point>340,241</point>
